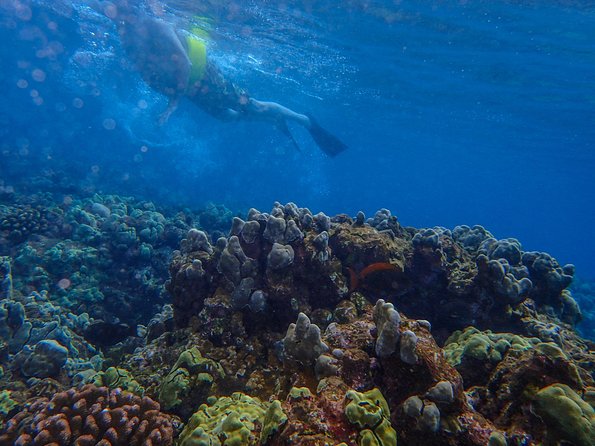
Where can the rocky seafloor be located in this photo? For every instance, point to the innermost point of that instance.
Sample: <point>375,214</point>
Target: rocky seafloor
<point>122,323</point>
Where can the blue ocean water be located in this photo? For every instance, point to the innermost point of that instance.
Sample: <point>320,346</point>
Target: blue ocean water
<point>454,112</point>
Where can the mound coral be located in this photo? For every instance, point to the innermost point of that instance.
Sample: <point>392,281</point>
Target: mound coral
<point>565,414</point>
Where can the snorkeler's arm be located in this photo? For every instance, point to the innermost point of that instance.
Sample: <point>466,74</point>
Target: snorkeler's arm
<point>160,57</point>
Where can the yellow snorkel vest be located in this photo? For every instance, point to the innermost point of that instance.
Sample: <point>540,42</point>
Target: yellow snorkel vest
<point>197,53</point>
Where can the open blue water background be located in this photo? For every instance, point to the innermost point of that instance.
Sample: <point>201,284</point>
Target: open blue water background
<point>478,112</point>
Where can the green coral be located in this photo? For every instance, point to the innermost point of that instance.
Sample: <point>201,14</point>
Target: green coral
<point>233,421</point>
<point>565,414</point>
<point>191,370</point>
<point>483,345</point>
<point>274,418</point>
<point>115,377</point>
<point>6,405</point>
<point>369,411</point>
<point>497,439</point>
<point>297,393</point>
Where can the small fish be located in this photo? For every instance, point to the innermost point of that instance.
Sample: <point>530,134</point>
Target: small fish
<point>356,278</point>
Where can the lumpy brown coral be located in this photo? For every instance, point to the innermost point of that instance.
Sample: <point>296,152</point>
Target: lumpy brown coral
<point>90,416</point>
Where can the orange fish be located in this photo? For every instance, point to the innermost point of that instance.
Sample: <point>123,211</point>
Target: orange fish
<point>355,278</point>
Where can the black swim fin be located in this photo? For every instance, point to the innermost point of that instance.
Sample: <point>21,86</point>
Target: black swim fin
<point>328,143</point>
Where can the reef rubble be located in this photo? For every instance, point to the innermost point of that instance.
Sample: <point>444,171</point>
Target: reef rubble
<point>282,327</point>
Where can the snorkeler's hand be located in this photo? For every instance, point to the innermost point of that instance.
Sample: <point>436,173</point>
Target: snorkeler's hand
<point>171,107</point>
<point>164,117</point>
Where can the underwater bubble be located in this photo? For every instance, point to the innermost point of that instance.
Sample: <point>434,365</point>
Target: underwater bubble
<point>95,169</point>
<point>51,50</point>
<point>109,123</point>
<point>38,75</point>
<point>137,158</point>
<point>246,31</point>
<point>52,26</point>
<point>77,103</point>
<point>144,149</point>
<point>67,200</point>
<point>22,83</point>
<point>111,11</point>
<point>23,12</point>
<point>142,104</point>
<point>38,101</point>
<point>64,283</point>
<point>34,93</point>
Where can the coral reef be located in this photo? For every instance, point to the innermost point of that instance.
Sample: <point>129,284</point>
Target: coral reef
<point>97,254</point>
<point>584,293</point>
<point>286,327</point>
<point>252,270</point>
<point>39,339</point>
<point>22,220</point>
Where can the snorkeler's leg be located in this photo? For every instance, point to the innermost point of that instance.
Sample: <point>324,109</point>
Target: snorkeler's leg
<point>272,111</point>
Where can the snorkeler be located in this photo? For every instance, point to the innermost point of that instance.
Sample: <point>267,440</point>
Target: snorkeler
<point>175,63</point>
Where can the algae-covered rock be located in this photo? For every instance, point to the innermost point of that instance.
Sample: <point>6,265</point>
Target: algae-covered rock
<point>46,359</point>
<point>566,416</point>
<point>190,372</point>
<point>369,411</point>
<point>238,420</point>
